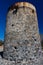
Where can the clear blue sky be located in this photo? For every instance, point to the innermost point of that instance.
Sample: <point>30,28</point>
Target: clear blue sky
<point>5,4</point>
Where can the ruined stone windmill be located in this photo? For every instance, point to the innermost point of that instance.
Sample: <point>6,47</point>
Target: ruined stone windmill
<point>22,40</point>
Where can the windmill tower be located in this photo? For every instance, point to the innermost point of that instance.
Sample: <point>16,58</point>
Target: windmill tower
<point>22,39</point>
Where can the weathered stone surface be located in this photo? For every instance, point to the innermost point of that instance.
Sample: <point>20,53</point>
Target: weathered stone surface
<point>22,40</point>
<point>6,62</point>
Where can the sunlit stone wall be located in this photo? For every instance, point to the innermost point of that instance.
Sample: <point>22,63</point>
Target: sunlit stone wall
<point>22,40</point>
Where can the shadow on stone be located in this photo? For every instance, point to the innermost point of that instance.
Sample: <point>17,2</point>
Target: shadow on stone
<point>1,54</point>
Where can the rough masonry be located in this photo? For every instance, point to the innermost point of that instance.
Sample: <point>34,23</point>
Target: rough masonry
<point>22,40</point>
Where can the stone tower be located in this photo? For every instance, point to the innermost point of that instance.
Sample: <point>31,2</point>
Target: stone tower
<point>22,40</point>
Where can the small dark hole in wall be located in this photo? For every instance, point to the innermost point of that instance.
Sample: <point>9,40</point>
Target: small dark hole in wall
<point>10,59</point>
<point>23,6</point>
<point>30,59</point>
<point>35,39</point>
<point>15,47</point>
<point>32,11</point>
<point>12,25</point>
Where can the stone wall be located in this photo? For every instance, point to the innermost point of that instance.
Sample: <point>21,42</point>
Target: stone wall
<point>22,40</point>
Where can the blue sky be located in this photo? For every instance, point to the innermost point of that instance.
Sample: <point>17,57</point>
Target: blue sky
<point>5,4</point>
